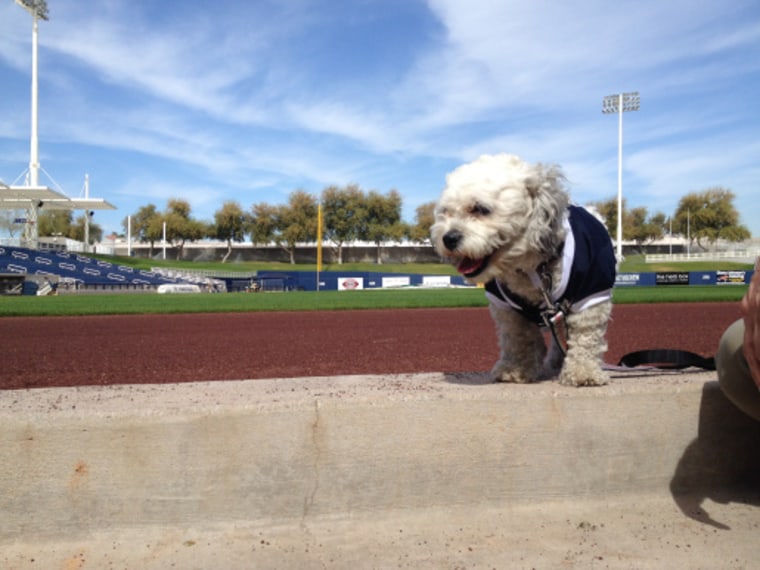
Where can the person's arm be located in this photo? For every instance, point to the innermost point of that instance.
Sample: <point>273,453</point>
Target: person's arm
<point>751,309</point>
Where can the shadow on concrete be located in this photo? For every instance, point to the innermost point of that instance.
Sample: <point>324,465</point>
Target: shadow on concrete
<point>468,378</point>
<point>723,462</point>
<point>482,379</point>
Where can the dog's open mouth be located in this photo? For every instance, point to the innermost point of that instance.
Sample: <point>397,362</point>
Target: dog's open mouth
<point>472,267</point>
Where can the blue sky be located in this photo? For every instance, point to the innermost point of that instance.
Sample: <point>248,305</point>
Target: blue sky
<point>250,100</point>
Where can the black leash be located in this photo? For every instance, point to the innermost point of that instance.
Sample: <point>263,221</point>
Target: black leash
<point>667,359</point>
<point>554,314</point>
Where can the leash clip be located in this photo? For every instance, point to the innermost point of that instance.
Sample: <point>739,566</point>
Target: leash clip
<point>553,318</point>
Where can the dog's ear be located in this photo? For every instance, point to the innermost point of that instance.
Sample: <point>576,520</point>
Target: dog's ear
<point>547,178</point>
<point>550,201</point>
<point>533,185</point>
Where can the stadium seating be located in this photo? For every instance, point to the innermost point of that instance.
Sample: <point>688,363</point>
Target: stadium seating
<point>77,270</point>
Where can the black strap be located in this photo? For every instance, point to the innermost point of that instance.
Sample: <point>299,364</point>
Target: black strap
<point>668,359</point>
<point>529,310</point>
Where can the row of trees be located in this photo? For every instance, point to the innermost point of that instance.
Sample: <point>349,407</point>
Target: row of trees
<point>349,214</point>
<point>704,217</point>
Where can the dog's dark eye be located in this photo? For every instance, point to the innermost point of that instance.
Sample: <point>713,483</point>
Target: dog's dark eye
<point>480,210</point>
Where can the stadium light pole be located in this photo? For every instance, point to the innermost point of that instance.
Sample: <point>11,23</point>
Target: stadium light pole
<point>619,104</point>
<point>39,11</point>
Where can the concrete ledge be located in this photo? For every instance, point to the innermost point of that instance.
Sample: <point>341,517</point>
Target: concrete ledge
<point>297,456</point>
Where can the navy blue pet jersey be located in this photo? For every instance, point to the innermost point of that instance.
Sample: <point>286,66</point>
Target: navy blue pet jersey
<point>588,268</point>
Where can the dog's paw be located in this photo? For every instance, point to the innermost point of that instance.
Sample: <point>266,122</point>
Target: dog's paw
<point>589,375</point>
<point>501,373</point>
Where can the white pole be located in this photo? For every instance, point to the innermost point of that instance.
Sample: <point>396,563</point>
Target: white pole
<point>38,10</point>
<point>32,230</point>
<point>129,236</point>
<point>34,159</point>
<point>86,214</point>
<point>619,104</point>
<point>688,234</point>
<point>164,240</point>
<point>620,180</point>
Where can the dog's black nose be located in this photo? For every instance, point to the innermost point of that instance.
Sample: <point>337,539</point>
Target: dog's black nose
<point>451,239</point>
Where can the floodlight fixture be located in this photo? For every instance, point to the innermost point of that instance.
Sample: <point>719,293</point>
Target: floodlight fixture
<point>37,8</point>
<point>620,103</point>
<point>628,101</point>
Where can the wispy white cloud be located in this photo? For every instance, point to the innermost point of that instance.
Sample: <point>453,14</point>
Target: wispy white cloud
<point>256,99</point>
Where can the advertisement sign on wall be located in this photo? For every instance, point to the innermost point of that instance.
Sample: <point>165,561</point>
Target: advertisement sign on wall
<point>396,281</point>
<point>731,277</point>
<point>436,280</point>
<point>350,283</point>
<point>672,278</point>
<point>627,279</point>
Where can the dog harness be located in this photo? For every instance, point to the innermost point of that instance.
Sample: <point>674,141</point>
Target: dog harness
<point>588,274</point>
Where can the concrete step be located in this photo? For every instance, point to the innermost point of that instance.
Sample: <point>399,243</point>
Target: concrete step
<point>379,471</point>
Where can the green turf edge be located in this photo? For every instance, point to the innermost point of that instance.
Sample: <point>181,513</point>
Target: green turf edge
<point>408,298</point>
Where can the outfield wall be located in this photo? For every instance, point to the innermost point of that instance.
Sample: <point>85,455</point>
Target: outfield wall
<point>723,278</point>
<point>354,280</point>
<point>351,280</point>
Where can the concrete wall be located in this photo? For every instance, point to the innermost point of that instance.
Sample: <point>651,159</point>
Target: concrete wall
<point>102,458</point>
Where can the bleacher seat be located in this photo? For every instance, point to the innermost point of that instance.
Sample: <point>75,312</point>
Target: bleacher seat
<point>76,268</point>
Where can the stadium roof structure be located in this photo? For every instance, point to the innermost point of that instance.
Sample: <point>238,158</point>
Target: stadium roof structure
<point>34,198</point>
<point>22,197</point>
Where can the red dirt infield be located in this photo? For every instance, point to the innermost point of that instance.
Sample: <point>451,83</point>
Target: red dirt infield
<point>136,349</point>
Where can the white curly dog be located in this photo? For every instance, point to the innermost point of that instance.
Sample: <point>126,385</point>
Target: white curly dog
<point>510,225</point>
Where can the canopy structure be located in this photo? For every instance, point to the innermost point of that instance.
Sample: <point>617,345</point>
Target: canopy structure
<point>34,198</point>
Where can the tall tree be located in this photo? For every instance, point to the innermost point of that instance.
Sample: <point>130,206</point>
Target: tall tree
<point>230,225</point>
<point>147,225</point>
<point>296,222</point>
<point>77,229</point>
<point>180,226</point>
<point>643,227</point>
<point>262,224</point>
<point>54,223</point>
<point>345,212</point>
<point>708,216</point>
<point>608,210</point>
<point>383,220</point>
<point>638,225</point>
<point>423,219</point>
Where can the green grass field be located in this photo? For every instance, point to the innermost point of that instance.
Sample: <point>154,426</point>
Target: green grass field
<point>108,304</point>
<point>145,303</point>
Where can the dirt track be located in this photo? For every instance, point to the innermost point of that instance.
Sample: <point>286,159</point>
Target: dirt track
<point>71,351</point>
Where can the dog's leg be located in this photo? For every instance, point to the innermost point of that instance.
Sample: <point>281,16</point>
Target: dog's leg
<point>522,347</point>
<point>553,362</point>
<point>586,347</point>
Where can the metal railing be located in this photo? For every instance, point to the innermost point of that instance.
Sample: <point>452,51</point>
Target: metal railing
<point>748,255</point>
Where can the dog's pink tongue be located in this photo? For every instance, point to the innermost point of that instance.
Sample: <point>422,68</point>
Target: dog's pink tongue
<point>468,265</point>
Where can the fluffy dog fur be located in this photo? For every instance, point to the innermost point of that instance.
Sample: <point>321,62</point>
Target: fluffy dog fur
<point>500,218</point>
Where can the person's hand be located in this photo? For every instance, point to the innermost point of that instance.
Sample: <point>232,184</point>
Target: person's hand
<point>751,309</point>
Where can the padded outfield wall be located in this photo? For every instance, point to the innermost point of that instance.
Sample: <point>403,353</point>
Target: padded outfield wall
<point>353,280</point>
<point>732,277</point>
